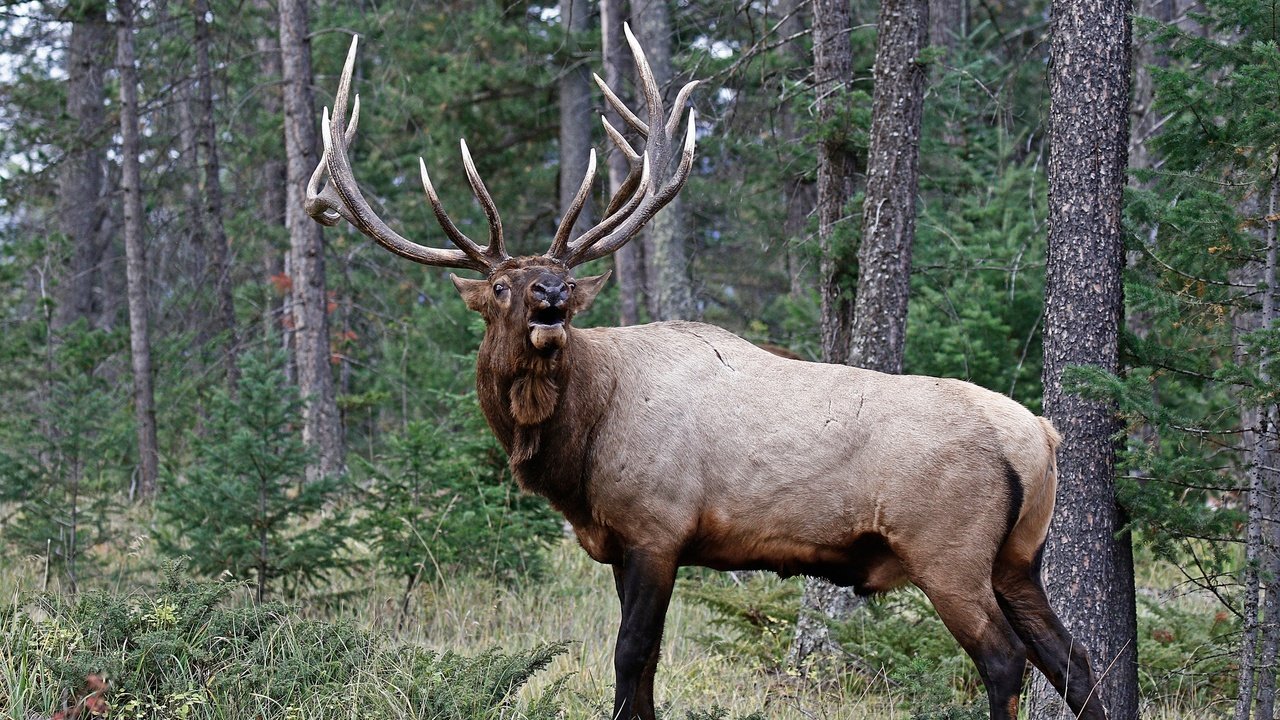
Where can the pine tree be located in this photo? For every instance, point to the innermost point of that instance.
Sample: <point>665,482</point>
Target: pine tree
<point>243,506</point>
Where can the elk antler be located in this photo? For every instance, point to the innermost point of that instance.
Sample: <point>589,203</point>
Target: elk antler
<point>640,197</point>
<point>341,197</point>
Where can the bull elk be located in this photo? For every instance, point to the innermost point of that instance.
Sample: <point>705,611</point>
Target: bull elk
<point>678,443</point>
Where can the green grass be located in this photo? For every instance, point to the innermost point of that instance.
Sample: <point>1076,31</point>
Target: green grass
<point>709,670</point>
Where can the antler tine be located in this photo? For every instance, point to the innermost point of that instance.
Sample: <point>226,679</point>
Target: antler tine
<point>641,196</point>
<point>466,244</point>
<point>630,219</point>
<point>561,241</point>
<point>589,238</point>
<point>633,160</point>
<point>496,247</point>
<point>681,98</point>
<point>341,197</point>
<point>652,95</point>
<point>620,107</point>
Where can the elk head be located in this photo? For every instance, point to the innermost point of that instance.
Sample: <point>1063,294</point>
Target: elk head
<point>527,302</point>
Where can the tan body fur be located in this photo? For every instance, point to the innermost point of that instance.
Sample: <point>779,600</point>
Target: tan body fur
<point>734,458</point>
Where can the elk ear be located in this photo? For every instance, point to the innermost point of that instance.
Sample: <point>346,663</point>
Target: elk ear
<point>474,293</point>
<point>588,287</point>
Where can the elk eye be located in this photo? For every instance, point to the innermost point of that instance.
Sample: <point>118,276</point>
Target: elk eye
<point>572,286</point>
<point>499,289</point>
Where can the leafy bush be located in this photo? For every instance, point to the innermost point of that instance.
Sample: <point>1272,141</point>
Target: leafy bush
<point>242,506</point>
<point>184,651</point>
<point>1186,651</point>
<point>753,618</point>
<point>442,502</point>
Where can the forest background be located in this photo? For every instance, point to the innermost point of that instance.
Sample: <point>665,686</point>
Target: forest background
<point>192,369</point>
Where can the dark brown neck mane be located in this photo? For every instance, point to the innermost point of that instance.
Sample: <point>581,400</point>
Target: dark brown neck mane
<point>544,411</point>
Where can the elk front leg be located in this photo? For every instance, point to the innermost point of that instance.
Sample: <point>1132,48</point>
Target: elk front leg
<point>644,583</point>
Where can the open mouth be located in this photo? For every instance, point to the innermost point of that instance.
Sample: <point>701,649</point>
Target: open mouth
<point>546,329</point>
<point>547,317</point>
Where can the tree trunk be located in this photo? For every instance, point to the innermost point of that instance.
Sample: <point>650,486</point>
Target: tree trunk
<point>1088,561</point>
<point>1262,534</point>
<point>801,194</point>
<point>210,213</point>
<point>1266,687</point>
<point>666,240</point>
<point>273,181</point>
<point>948,22</point>
<point>833,70</point>
<point>136,255</point>
<point>628,261</point>
<point>81,210</point>
<point>889,210</point>
<point>576,112</point>
<point>322,431</point>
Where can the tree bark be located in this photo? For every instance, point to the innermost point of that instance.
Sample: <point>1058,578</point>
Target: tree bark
<point>1088,559</point>
<point>1266,688</point>
<point>628,261</point>
<point>576,116</point>
<point>1260,641</point>
<point>666,240</point>
<point>948,22</point>
<point>273,181</point>
<point>833,70</point>
<point>136,255</point>
<point>81,209</point>
<point>322,430</point>
<point>801,194</point>
<point>210,211</point>
<point>879,327</point>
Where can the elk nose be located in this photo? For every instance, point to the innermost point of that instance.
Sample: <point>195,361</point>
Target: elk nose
<point>553,291</point>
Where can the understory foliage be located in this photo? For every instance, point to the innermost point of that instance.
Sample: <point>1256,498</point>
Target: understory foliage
<point>190,650</point>
<point>242,506</point>
<point>61,450</point>
<point>441,502</point>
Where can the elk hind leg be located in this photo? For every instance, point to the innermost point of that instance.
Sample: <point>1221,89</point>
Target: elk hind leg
<point>1050,647</point>
<point>974,618</point>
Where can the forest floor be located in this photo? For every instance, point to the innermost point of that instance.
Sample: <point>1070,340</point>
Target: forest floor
<point>699,677</point>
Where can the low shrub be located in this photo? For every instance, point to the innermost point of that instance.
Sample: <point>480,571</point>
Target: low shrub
<point>186,651</point>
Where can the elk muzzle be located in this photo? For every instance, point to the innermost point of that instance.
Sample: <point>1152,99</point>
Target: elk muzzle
<point>548,303</point>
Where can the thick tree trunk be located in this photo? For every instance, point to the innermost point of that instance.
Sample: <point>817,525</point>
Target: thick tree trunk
<point>81,210</point>
<point>136,255</point>
<point>210,211</point>
<point>321,428</point>
<point>666,239</point>
<point>1088,560</point>
<point>628,261</point>
<point>833,70</point>
<point>879,327</point>
<point>576,111</point>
